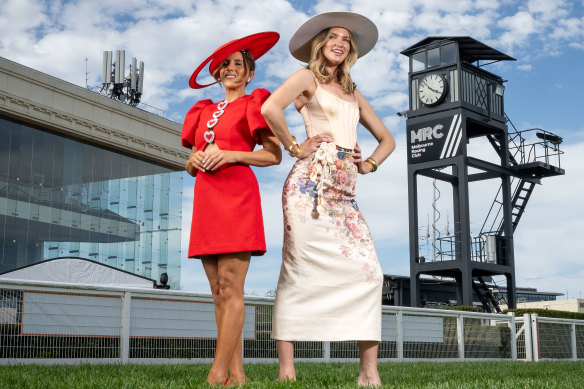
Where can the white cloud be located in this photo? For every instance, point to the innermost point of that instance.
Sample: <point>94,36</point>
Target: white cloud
<point>525,68</point>
<point>548,10</point>
<point>569,29</point>
<point>518,27</point>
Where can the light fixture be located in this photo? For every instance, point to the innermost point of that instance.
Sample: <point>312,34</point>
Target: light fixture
<point>163,282</point>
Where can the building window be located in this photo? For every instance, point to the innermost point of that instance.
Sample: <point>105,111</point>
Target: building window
<point>434,57</point>
<point>419,61</point>
<point>60,197</point>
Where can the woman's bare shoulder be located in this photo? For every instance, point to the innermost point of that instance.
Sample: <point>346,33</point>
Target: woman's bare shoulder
<point>360,99</point>
<point>303,75</point>
<point>299,83</point>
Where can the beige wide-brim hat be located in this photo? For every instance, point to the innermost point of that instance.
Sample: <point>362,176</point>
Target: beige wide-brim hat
<point>363,30</point>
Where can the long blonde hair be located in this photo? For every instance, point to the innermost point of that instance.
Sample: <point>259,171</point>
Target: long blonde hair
<point>317,62</point>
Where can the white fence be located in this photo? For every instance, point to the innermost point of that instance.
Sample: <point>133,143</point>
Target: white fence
<point>58,324</point>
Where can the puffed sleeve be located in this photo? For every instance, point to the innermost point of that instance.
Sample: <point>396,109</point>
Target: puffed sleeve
<point>255,119</point>
<point>191,122</point>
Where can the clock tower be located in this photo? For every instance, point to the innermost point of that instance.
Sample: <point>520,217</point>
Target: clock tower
<point>452,100</point>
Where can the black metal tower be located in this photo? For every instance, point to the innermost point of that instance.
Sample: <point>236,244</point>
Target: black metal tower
<point>452,100</point>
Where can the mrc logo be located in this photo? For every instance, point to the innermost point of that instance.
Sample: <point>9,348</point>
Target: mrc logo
<point>426,133</point>
<point>437,139</point>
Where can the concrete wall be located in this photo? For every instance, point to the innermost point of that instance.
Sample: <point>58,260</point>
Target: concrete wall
<point>39,99</point>
<point>571,305</point>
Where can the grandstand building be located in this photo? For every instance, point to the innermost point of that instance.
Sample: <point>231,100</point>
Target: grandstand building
<point>84,175</point>
<point>438,292</point>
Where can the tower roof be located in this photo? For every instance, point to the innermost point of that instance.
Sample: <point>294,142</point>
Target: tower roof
<point>470,49</point>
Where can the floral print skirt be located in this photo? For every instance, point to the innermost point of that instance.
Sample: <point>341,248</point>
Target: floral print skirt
<point>330,280</point>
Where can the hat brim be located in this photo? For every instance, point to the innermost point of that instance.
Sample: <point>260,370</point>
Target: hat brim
<point>257,44</point>
<point>363,31</point>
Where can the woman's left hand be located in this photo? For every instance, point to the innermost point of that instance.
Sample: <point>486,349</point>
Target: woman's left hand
<point>362,167</point>
<point>216,158</point>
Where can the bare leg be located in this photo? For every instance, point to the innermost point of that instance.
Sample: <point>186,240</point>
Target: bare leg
<point>286,359</point>
<point>368,374</point>
<point>226,274</point>
<point>236,373</point>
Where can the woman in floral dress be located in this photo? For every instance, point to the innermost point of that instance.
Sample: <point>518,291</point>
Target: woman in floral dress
<point>330,280</point>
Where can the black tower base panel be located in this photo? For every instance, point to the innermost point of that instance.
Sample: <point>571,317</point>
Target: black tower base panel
<point>466,281</point>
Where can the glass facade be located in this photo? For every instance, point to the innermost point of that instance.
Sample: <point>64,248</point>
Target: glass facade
<point>60,197</point>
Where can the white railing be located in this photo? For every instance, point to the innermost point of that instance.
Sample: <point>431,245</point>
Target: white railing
<point>554,339</point>
<point>65,323</point>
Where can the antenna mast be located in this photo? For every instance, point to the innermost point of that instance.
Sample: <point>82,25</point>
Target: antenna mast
<point>86,75</point>
<point>435,218</point>
<point>127,89</point>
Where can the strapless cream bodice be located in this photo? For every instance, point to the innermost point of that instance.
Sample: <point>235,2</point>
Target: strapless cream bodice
<point>326,113</point>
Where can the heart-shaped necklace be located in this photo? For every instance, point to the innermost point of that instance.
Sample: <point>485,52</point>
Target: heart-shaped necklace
<point>209,135</point>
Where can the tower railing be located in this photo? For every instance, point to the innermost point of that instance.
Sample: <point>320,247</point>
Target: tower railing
<point>535,145</point>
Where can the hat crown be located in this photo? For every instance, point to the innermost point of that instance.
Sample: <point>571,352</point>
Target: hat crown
<point>363,31</point>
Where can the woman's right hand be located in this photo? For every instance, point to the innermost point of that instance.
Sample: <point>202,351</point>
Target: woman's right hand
<point>311,144</point>
<point>195,162</point>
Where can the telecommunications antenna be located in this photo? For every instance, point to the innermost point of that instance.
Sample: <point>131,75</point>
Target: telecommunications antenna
<point>127,89</point>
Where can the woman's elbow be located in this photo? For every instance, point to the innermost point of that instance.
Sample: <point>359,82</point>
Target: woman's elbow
<point>272,154</point>
<point>389,143</point>
<point>392,145</point>
<point>277,156</point>
<point>267,109</point>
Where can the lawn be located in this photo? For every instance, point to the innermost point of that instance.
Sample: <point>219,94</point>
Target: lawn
<point>310,375</point>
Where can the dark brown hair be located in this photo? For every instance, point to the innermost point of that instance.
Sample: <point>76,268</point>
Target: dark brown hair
<point>248,63</point>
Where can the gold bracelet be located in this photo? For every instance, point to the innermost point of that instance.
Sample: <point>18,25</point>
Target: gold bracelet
<point>373,163</point>
<point>289,148</point>
<point>298,151</point>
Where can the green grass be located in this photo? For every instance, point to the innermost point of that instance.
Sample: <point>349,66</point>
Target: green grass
<point>498,375</point>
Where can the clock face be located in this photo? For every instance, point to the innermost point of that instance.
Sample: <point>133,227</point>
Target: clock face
<point>432,89</point>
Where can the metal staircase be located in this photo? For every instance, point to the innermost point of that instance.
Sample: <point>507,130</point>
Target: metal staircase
<point>523,192</point>
<point>485,294</point>
<point>531,159</point>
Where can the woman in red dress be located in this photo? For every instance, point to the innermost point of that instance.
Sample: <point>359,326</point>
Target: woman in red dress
<point>227,226</point>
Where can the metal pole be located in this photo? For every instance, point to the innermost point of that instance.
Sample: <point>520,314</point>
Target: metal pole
<point>414,246</point>
<point>573,342</point>
<point>326,351</point>
<point>528,341</point>
<point>125,328</point>
<point>513,335</point>
<point>399,336</point>
<point>434,222</point>
<point>460,335</point>
<point>535,337</point>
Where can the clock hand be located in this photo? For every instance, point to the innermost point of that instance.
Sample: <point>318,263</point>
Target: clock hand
<point>429,87</point>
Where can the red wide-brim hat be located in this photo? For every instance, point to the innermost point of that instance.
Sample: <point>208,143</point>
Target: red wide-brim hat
<point>257,44</point>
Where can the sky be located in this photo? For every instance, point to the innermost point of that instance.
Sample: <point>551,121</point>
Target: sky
<point>66,39</point>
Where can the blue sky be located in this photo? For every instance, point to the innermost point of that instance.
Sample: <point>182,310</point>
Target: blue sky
<point>544,90</point>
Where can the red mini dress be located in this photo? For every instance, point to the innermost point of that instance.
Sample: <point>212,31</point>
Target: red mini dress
<point>227,214</point>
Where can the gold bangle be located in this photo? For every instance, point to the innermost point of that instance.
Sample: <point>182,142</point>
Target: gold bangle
<point>298,151</point>
<point>373,163</point>
<point>289,148</point>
